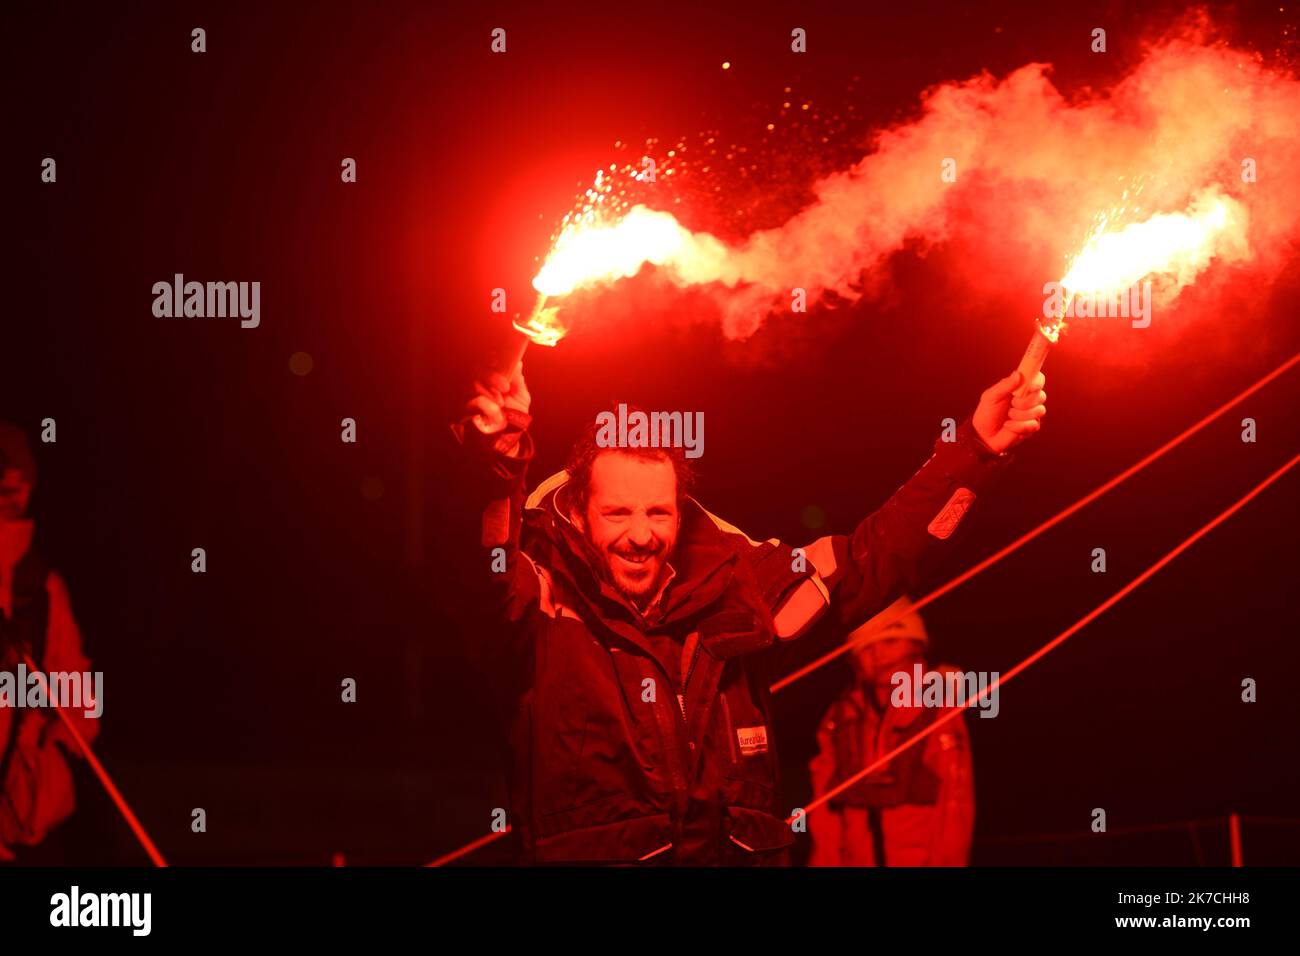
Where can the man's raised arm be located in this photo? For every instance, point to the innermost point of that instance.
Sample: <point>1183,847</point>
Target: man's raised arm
<point>893,548</point>
<point>494,431</point>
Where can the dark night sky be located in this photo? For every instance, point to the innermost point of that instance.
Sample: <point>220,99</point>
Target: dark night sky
<point>222,689</point>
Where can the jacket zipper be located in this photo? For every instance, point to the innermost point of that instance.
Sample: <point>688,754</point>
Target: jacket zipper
<point>690,669</point>
<point>678,771</point>
<point>731,730</point>
<point>670,734</point>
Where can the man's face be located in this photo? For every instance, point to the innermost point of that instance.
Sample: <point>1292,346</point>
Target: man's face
<point>14,492</point>
<point>879,661</point>
<point>632,521</point>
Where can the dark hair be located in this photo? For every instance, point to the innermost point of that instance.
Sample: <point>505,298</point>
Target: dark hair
<point>585,451</point>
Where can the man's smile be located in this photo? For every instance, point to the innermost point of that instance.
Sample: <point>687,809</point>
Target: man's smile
<point>635,563</point>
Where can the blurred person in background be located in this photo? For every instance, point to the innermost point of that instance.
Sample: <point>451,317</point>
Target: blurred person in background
<point>917,810</point>
<point>36,787</point>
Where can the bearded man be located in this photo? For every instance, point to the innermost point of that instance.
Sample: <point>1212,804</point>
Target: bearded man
<point>637,630</point>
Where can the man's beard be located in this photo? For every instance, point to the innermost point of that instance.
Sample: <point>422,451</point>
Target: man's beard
<point>620,570</point>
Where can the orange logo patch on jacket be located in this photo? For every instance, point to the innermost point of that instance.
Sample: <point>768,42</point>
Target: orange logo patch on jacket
<point>753,740</point>
<point>946,521</point>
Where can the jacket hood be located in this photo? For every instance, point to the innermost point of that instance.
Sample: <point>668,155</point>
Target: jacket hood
<point>703,560</point>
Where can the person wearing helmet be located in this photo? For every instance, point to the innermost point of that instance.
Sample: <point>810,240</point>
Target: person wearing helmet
<point>917,810</point>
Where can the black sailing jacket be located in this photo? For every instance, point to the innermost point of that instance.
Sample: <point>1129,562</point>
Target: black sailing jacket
<point>648,738</point>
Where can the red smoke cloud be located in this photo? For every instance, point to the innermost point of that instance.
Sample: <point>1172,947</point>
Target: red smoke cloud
<point>1034,169</point>
<point>1032,172</point>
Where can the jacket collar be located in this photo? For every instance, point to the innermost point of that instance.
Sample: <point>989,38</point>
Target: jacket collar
<point>702,566</point>
<point>896,718</point>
